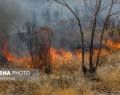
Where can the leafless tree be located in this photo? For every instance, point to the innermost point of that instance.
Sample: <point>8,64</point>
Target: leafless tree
<point>38,43</point>
<point>92,10</point>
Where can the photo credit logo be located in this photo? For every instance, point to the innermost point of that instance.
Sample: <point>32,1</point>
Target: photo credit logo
<point>19,74</point>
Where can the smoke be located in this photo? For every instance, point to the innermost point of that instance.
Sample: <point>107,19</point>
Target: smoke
<point>11,12</point>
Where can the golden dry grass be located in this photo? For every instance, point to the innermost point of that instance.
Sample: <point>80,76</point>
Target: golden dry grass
<point>69,80</point>
<point>66,91</point>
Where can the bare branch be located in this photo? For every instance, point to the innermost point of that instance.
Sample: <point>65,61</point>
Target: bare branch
<point>100,45</point>
<point>80,27</point>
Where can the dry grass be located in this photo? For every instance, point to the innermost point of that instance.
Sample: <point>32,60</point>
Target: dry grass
<point>110,77</point>
<point>69,80</point>
<point>113,33</point>
<point>66,91</point>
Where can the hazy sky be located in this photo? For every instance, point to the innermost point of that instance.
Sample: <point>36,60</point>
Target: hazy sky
<point>39,7</point>
<point>22,9</point>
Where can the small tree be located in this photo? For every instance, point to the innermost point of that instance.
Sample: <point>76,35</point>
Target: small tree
<point>38,44</point>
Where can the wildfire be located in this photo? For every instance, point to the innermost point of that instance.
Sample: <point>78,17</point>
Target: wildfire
<point>112,44</point>
<point>59,57</point>
<point>10,57</point>
<point>78,53</point>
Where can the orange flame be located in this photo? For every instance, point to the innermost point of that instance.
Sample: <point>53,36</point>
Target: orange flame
<point>59,57</point>
<point>78,53</point>
<point>9,56</point>
<point>112,44</point>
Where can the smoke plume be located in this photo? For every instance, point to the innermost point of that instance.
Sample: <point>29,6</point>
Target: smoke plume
<point>11,12</point>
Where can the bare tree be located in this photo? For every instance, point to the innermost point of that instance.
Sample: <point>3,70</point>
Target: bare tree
<point>92,11</point>
<point>38,43</point>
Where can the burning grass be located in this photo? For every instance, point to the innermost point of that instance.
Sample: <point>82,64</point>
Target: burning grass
<point>60,57</point>
<point>67,76</point>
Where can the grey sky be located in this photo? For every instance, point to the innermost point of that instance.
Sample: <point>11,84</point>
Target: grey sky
<point>22,9</point>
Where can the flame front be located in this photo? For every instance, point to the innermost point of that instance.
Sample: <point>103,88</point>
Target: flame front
<point>60,57</point>
<point>10,57</point>
<point>112,44</point>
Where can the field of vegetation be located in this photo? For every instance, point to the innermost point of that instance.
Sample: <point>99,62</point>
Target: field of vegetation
<point>69,79</point>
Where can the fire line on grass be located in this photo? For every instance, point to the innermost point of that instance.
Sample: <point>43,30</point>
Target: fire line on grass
<point>60,56</point>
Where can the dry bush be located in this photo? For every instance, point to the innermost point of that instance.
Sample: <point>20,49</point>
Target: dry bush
<point>18,88</point>
<point>102,60</point>
<point>68,68</point>
<point>109,71</point>
<point>109,74</point>
<point>110,78</point>
<point>114,33</point>
<point>3,86</point>
<point>111,58</point>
